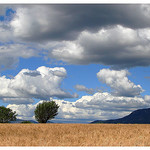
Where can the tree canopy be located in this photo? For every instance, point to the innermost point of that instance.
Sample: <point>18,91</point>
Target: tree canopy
<point>7,115</point>
<point>45,111</point>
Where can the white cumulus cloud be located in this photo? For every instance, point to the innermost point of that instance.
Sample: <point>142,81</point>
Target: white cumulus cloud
<point>23,111</point>
<point>119,82</point>
<point>41,83</point>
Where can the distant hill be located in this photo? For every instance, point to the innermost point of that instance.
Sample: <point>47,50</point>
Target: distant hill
<point>140,116</point>
<point>20,120</point>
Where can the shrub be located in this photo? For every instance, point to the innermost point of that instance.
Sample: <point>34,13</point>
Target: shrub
<point>26,121</point>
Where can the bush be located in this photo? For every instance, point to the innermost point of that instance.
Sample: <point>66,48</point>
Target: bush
<point>26,122</point>
<point>46,111</point>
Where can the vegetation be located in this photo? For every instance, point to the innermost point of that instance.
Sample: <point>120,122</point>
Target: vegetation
<point>46,111</point>
<point>26,122</point>
<point>7,115</point>
<point>74,134</point>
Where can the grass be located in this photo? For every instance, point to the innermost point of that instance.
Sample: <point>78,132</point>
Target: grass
<point>74,135</point>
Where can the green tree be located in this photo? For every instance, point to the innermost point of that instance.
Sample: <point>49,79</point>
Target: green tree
<point>46,111</point>
<point>7,115</point>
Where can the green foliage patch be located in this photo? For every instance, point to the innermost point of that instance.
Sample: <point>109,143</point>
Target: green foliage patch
<point>46,111</point>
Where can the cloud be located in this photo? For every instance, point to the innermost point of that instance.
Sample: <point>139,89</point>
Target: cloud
<point>5,32</point>
<point>30,24</point>
<point>71,34</point>
<point>3,10</point>
<point>85,89</point>
<point>108,102</point>
<point>25,112</point>
<point>63,22</point>
<point>41,83</point>
<point>147,98</point>
<point>124,99</point>
<point>11,49</point>
<point>119,82</point>
<point>89,108</point>
<point>18,100</point>
<point>117,46</point>
<point>33,73</point>
<point>10,53</point>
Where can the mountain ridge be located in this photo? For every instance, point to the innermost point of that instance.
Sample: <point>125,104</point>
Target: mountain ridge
<point>140,116</point>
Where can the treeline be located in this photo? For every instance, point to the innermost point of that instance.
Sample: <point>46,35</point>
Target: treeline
<point>43,112</point>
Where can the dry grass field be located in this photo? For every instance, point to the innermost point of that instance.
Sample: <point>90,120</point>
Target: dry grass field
<point>74,135</point>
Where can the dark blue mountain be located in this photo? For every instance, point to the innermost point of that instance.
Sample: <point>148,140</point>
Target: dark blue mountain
<point>140,116</point>
<point>20,120</point>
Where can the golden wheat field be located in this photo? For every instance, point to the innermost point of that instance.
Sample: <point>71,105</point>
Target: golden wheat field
<point>74,135</point>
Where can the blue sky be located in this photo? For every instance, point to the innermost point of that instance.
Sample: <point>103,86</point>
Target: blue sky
<point>93,60</point>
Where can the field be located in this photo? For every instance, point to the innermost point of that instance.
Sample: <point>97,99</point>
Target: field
<point>74,135</point>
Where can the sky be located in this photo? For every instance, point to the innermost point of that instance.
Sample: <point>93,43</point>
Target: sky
<point>92,60</point>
